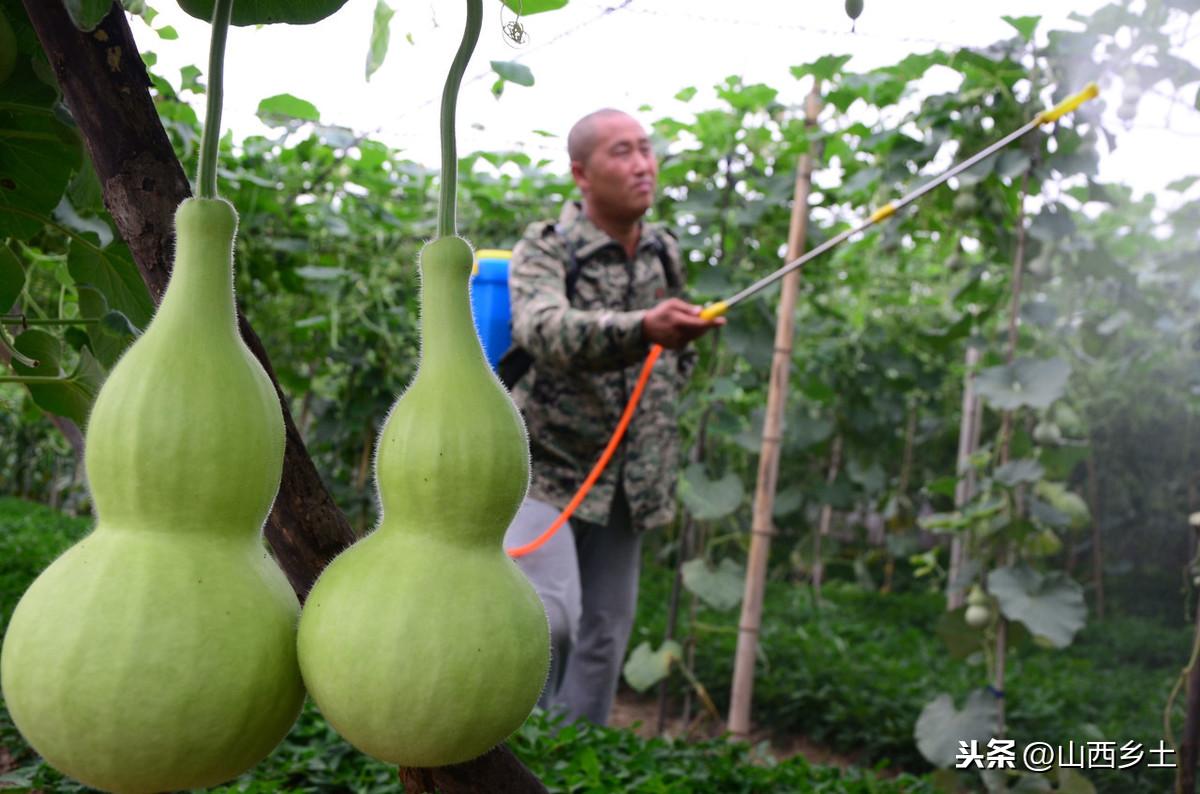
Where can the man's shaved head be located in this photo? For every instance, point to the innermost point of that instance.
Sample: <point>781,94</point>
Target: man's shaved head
<point>582,139</point>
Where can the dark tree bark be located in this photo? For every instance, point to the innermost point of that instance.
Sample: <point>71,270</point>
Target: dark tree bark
<point>497,772</point>
<point>105,85</point>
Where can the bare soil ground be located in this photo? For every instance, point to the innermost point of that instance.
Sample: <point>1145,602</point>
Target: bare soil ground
<point>639,713</point>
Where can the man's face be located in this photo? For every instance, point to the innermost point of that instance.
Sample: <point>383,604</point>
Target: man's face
<point>619,177</point>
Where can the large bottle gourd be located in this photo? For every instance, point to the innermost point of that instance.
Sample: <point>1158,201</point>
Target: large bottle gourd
<point>158,653</point>
<point>423,644</point>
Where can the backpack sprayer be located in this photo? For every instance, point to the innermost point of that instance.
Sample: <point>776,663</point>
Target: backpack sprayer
<point>719,308</point>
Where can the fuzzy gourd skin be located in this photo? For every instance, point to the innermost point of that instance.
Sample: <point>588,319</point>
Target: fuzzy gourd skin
<point>158,653</point>
<point>423,644</point>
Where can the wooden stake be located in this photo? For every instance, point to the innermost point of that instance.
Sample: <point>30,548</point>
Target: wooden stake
<point>762,527</point>
<point>964,489</point>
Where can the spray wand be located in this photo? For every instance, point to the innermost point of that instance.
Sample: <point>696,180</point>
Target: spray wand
<point>719,308</point>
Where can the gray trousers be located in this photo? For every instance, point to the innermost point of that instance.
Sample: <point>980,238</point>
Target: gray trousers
<point>587,578</point>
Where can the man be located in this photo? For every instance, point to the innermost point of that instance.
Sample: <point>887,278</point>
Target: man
<point>590,295</point>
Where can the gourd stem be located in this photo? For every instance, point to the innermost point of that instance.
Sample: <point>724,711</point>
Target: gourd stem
<point>446,203</point>
<point>210,143</point>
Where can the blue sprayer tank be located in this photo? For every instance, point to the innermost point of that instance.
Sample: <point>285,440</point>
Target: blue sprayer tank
<point>489,302</point>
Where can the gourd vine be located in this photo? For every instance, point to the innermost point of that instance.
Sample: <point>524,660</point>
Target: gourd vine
<point>210,142</point>
<point>447,203</point>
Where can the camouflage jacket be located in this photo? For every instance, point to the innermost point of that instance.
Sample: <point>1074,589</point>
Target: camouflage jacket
<point>587,357</point>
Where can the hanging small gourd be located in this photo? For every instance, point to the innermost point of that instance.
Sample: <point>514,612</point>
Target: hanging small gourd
<point>158,653</point>
<point>424,644</point>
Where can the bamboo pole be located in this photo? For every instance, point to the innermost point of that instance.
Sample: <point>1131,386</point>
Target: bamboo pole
<point>964,489</point>
<point>762,526</point>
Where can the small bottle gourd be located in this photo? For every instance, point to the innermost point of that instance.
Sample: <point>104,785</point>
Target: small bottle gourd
<point>158,653</point>
<point>423,644</point>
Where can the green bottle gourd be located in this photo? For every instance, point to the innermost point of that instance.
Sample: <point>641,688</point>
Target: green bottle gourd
<point>423,644</point>
<point>158,653</point>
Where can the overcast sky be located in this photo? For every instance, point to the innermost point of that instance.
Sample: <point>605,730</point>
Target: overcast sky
<point>624,54</point>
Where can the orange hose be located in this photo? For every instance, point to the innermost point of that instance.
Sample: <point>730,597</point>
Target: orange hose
<point>613,443</point>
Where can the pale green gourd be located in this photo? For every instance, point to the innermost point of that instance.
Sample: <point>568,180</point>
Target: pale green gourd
<point>158,653</point>
<point>423,644</point>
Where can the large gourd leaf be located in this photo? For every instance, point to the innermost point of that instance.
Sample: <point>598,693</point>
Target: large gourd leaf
<point>38,154</point>
<point>1015,472</point>
<point>70,397</point>
<point>719,587</point>
<point>1026,382</point>
<point>941,726</point>
<point>111,272</point>
<point>1050,605</point>
<point>267,12</point>
<point>647,667</point>
<point>708,499</point>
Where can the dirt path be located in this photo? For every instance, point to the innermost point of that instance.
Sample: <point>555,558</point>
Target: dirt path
<point>639,713</point>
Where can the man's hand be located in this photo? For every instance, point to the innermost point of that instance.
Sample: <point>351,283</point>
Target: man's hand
<point>674,322</point>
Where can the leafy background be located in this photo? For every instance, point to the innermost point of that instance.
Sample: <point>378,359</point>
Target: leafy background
<point>1103,393</point>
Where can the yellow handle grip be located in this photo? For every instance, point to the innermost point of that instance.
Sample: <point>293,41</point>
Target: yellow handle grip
<point>714,310</point>
<point>886,211</point>
<point>1090,91</point>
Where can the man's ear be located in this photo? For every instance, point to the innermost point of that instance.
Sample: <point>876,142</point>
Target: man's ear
<point>580,177</point>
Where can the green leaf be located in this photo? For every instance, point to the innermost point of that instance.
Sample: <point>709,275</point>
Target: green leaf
<point>646,667</point>
<point>87,14</point>
<point>190,79</point>
<point>528,7</point>
<point>1050,605</point>
<point>1183,183</point>
<point>72,397</point>
<point>960,639</point>
<point>111,271</point>
<point>94,306</point>
<point>513,72</point>
<point>38,154</point>
<point>116,324</point>
<point>381,34</point>
<point>1016,472</point>
<point>285,110</point>
<point>707,499</point>
<point>167,33</point>
<point>686,94</point>
<point>788,500</point>
<point>941,726</point>
<point>720,587</point>
<point>267,12</point>
<point>1027,382</point>
<point>1024,25</point>
<point>12,279</point>
<point>823,68</point>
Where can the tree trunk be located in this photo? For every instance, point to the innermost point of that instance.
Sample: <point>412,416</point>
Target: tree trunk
<point>762,527</point>
<point>105,85</point>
